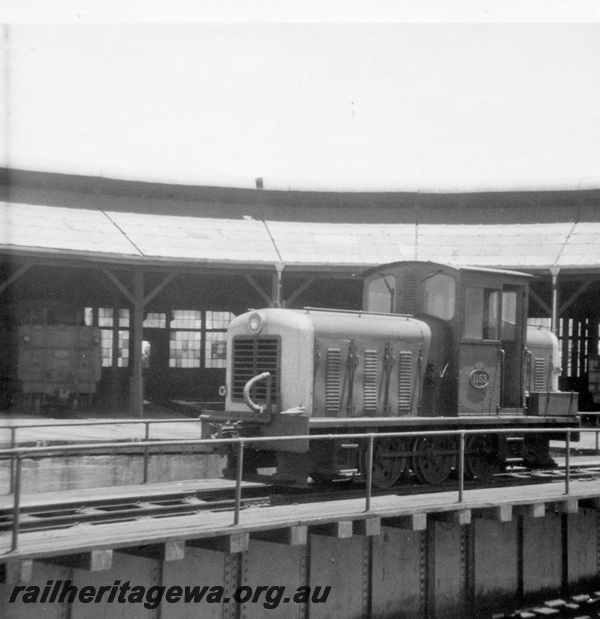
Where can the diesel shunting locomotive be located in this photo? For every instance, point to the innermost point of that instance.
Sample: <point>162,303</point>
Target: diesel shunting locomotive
<point>435,348</point>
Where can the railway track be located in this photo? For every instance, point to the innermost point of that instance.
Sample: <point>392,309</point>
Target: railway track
<point>581,606</point>
<point>57,514</point>
<point>101,510</point>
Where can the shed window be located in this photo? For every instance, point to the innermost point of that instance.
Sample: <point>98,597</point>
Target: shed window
<point>199,338</point>
<point>114,324</point>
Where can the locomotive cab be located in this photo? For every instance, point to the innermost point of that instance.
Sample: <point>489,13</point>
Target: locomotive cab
<point>482,316</point>
<point>491,363</point>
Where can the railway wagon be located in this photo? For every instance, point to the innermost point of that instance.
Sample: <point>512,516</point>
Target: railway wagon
<point>58,360</point>
<point>435,348</point>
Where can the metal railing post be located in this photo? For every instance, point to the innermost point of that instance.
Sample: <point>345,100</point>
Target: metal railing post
<point>238,483</point>
<point>146,452</point>
<point>369,472</point>
<point>597,446</point>
<point>13,441</point>
<point>16,504</point>
<point>461,466</point>
<point>568,462</point>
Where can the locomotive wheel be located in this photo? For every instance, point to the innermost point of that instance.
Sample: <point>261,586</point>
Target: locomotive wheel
<point>431,461</point>
<point>481,458</point>
<point>388,465</point>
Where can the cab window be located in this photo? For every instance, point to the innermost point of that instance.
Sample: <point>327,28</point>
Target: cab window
<point>440,296</point>
<point>482,316</point>
<point>509,315</point>
<point>382,294</point>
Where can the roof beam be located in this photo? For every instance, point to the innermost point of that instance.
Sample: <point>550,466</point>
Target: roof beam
<point>299,291</point>
<point>14,277</point>
<point>540,302</point>
<point>168,279</point>
<point>117,282</point>
<point>258,288</point>
<point>575,296</point>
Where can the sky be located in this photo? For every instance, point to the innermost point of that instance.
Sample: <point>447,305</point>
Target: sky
<point>330,100</point>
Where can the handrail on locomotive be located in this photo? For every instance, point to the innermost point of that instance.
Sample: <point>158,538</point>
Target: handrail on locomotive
<point>253,406</point>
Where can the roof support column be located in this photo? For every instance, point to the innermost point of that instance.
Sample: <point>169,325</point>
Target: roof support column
<point>138,303</point>
<point>554,325</point>
<point>276,288</point>
<point>136,400</point>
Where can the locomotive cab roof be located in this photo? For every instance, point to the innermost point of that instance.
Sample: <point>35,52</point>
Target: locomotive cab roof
<point>444,267</point>
<point>457,295</point>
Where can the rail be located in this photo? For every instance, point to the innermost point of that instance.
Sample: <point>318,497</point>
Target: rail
<point>17,454</point>
<point>14,428</point>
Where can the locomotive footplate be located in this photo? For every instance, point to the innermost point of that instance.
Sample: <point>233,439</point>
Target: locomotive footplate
<point>431,458</point>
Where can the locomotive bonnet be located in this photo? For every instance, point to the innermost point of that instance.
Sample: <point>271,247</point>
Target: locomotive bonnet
<point>329,363</point>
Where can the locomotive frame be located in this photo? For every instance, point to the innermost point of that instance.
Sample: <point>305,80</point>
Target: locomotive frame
<point>436,347</point>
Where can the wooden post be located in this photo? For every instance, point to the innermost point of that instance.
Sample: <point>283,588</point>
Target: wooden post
<point>137,395</point>
<point>114,369</point>
<point>554,272</point>
<point>276,300</point>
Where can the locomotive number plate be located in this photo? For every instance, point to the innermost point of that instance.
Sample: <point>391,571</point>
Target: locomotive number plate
<point>479,379</point>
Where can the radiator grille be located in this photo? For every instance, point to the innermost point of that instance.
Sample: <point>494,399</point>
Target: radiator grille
<point>370,381</point>
<point>252,356</point>
<point>405,381</point>
<point>539,374</point>
<point>333,380</point>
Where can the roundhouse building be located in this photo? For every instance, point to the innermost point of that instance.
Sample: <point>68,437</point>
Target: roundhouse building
<point>161,269</point>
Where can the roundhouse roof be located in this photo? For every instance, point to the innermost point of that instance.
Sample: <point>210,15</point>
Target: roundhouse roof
<point>117,222</point>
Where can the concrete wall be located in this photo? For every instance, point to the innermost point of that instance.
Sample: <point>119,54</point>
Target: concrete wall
<point>76,473</point>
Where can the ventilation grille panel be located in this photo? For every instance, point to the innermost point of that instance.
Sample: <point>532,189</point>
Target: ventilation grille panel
<point>370,381</point>
<point>333,380</point>
<point>405,381</point>
<point>539,374</point>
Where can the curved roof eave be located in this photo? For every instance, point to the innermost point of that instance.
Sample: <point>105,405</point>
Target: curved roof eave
<point>174,240</point>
